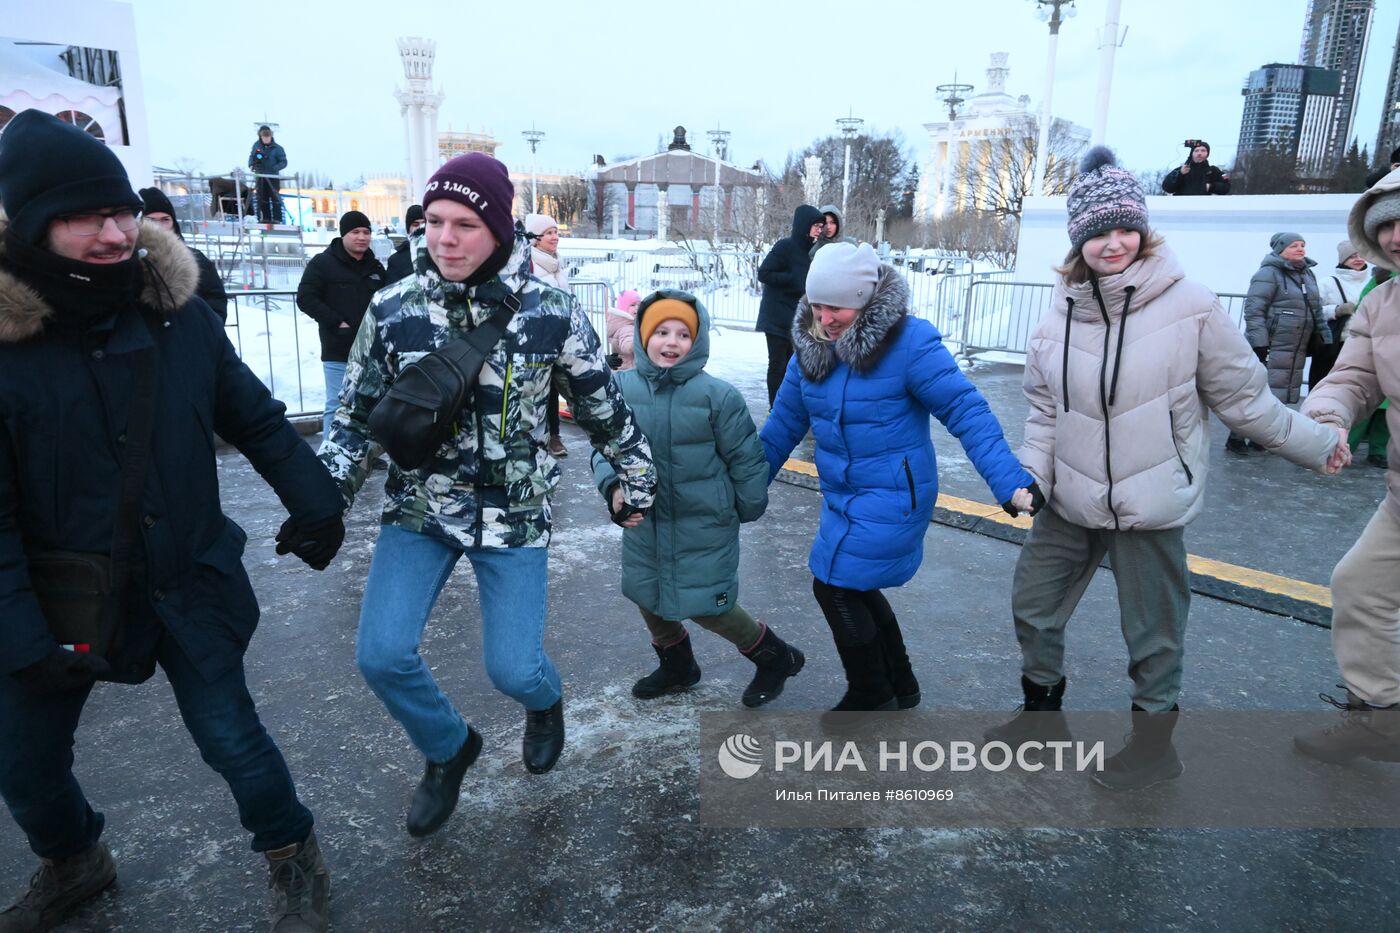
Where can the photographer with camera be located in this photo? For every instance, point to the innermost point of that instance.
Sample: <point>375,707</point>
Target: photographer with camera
<point>1197,175</point>
<point>267,161</point>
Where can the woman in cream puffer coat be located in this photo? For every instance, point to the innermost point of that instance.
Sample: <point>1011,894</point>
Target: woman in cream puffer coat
<point>1121,375</point>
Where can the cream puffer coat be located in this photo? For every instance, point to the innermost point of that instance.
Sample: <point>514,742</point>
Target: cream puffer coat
<point>1120,385</point>
<point>1368,368</point>
<point>548,269</point>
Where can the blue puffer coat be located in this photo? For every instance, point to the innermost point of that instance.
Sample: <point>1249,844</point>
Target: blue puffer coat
<point>867,398</point>
<point>683,560</point>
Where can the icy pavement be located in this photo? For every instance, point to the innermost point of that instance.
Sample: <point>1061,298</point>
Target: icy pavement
<point>610,839</point>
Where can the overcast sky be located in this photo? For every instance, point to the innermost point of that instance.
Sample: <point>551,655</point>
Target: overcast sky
<point>609,76</point>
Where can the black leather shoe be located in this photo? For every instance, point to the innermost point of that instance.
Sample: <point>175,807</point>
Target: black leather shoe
<point>436,796</point>
<point>544,737</point>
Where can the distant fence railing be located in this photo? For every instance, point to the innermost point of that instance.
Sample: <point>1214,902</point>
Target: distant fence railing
<point>727,280</point>
<point>1000,315</point>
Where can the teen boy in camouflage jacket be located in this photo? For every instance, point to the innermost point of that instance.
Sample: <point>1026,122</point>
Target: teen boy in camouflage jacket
<point>485,493</point>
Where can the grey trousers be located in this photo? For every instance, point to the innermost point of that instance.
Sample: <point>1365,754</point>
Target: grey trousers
<point>1056,564</point>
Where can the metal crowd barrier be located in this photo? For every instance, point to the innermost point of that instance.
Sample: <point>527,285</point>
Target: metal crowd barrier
<point>1000,315</point>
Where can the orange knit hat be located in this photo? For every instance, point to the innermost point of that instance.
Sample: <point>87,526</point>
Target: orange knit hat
<point>668,309</point>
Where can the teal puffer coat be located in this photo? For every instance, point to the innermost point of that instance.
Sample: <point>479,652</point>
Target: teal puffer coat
<point>683,560</point>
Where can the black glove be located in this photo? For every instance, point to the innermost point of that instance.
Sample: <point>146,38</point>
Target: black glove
<point>1037,502</point>
<point>61,670</point>
<point>314,542</point>
<point>623,513</point>
<point>614,360</point>
<point>1262,353</point>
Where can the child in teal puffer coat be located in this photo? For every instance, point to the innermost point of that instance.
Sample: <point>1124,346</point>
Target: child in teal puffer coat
<point>682,560</point>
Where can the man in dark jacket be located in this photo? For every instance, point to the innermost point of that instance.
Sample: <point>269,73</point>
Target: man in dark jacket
<point>335,289</point>
<point>92,304</point>
<point>784,277</point>
<point>1197,175</point>
<point>160,211</point>
<point>401,263</point>
<point>1380,173</point>
<point>268,160</point>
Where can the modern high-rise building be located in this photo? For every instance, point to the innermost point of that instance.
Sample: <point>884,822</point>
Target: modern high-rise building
<point>1293,106</point>
<point>1335,34</point>
<point>1388,132</point>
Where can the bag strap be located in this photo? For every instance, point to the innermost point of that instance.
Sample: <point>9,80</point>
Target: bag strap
<point>482,338</point>
<point>1340,291</point>
<point>140,425</point>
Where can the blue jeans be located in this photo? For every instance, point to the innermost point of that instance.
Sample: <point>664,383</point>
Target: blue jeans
<point>36,759</point>
<point>335,375</point>
<point>405,577</point>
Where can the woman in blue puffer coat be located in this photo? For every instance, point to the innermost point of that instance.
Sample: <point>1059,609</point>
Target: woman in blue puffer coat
<point>865,377</point>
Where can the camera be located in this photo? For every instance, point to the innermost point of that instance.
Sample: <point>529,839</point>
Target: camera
<point>1193,143</point>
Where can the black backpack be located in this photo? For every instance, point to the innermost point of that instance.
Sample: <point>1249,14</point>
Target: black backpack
<point>421,410</point>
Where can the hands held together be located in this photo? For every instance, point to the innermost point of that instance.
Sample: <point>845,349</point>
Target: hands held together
<point>1341,454</point>
<point>623,514</point>
<point>1029,499</point>
<point>314,542</point>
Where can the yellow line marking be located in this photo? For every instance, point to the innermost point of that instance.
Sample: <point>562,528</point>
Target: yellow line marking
<point>1206,567</point>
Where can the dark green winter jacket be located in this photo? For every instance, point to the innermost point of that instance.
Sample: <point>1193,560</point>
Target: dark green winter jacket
<point>711,474</point>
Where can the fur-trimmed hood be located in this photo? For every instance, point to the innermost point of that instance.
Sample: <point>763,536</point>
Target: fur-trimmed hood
<point>176,275</point>
<point>865,341</point>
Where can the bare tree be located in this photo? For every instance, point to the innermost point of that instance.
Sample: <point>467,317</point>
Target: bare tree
<point>566,198</point>
<point>878,178</point>
<point>1000,177</point>
<point>1268,170</point>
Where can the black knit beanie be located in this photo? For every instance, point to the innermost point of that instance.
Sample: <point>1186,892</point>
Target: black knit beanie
<point>352,219</point>
<point>48,167</point>
<point>412,215</point>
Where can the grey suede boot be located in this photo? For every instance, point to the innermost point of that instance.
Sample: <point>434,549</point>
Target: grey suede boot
<point>301,888</point>
<point>1365,731</point>
<point>57,888</point>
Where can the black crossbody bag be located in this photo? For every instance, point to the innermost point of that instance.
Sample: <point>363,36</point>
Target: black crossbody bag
<point>420,412</point>
<point>82,595</point>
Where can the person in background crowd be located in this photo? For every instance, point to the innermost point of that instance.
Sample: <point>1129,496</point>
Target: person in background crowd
<point>682,562</point>
<point>1366,582</point>
<point>400,264</point>
<point>159,211</point>
<point>335,289</point>
<point>620,324</point>
<point>783,273</point>
<point>865,378</point>
<point>543,233</point>
<point>1121,375</point>
<point>485,495</point>
<point>1282,313</point>
<point>832,225</point>
<point>92,304</point>
<point>1197,176</point>
<point>1339,291</point>
<point>268,160</point>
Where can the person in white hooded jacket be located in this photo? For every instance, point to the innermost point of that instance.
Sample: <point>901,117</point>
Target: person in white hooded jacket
<point>1340,289</point>
<point>543,234</point>
<point>1121,375</point>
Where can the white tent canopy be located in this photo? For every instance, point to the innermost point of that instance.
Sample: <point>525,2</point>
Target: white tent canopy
<point>26,84</point>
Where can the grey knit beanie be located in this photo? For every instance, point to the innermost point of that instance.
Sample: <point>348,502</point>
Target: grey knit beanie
<point>1281,241</point>
<point>1383,209</point>
<point>1104,197</point>
<point>1345,251</point>
<point>843,275</point>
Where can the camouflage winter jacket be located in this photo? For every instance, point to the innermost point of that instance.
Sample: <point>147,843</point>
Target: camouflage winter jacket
<point>489,485</point>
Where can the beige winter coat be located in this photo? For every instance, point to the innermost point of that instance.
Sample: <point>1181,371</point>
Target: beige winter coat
<point>1368,368</point>
<point>1157,354</point>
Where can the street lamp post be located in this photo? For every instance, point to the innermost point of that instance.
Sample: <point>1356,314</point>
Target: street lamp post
<point>533,137</point>
<point>1048,10</point>
<point>952,95</point>
<point>719,142</point>
<point>850,128</point>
